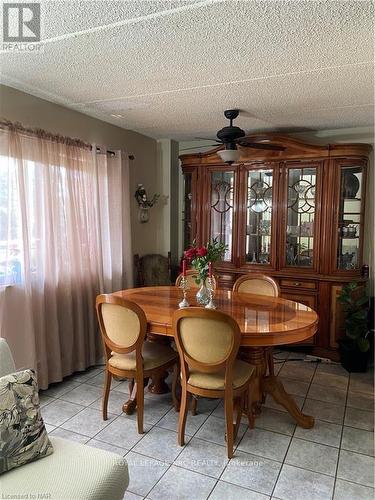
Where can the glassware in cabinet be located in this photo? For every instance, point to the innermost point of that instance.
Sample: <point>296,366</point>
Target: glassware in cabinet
<point>259,216</point>
<point>350,218</point>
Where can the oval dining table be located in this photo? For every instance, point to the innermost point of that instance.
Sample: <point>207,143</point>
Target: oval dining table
<point>264,322</point>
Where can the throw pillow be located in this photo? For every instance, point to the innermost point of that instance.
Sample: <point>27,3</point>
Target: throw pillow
<point>23,437</point>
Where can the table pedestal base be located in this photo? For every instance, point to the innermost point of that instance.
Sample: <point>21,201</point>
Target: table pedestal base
<point>158,384</point>
<point>271,385</point>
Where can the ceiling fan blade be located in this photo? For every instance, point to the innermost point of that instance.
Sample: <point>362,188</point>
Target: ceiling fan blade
<point>259,145</point>
<point>207,139</point>
<point>200,147</point>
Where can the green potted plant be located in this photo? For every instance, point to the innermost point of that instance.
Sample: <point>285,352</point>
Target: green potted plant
<point>355,345</point>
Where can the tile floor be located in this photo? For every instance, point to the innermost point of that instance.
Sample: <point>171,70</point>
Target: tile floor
<point>334,460</point>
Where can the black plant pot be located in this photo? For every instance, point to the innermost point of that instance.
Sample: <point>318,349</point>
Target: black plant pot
<point>352,359</point>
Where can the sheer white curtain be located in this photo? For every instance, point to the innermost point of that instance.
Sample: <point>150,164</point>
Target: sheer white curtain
<point>64,238</point>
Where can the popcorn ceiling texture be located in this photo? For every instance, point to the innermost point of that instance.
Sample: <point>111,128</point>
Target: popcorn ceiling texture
<point>170,68</point>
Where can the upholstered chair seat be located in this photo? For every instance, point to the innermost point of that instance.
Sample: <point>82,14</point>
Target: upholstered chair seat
<point>242,373</point>
<point>208,343</point>
<point>123,326</point>
<point>154,355</point>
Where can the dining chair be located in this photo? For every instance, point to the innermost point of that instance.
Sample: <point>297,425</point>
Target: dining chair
<point>123,327</point>
<point>208,342</point>
<point>153,270</point>
<point>191,276</point>
<point>259,284</point>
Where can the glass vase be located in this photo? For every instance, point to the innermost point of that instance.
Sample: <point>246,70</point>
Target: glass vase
<point>203,296</point>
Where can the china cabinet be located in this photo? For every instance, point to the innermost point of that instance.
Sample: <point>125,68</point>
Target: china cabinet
<point>296,215</point>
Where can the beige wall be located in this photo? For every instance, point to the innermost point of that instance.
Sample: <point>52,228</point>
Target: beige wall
<point>34,112</point>
<point>168,165</point>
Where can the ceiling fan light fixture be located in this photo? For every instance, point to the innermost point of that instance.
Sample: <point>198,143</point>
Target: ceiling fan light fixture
<point>229,155</point>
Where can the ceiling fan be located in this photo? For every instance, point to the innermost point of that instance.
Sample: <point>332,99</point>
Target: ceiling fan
<point>231,136</point>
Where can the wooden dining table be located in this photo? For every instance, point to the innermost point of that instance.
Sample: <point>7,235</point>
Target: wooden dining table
<point>265,322</point>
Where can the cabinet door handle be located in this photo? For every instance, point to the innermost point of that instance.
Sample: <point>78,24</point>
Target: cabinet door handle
<point>297,283</point>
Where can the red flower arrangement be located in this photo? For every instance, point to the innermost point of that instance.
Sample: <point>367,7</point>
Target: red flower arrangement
<point>200,257</point>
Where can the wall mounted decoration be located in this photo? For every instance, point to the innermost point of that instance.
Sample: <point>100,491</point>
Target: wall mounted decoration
<point>144,203</point>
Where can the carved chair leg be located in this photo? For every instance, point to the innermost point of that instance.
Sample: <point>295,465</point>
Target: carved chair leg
<point>107,387</point>
<point>194,401</point>
<point>140,405</point>
<point>239,404</point>
<point>175,380</point>
<point>250,409</point>
<point>185,396</point>
<point>228,407</point>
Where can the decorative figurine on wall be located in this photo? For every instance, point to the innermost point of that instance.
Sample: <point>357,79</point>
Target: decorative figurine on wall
<point>143,203</point>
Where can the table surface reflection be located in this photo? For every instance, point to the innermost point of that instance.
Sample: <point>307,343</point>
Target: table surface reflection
<point>263,321</point>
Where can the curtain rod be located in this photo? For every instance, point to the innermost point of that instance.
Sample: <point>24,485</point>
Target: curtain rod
<point>112,153</point>
<point>17,126</point>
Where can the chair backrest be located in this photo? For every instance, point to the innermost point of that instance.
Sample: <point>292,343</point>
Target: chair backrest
<point>7,365</point>
<point>122,324</point>
<point>207,341</point>
<point>258,284</point>
<point>191,276</point>
<point>153,270</point>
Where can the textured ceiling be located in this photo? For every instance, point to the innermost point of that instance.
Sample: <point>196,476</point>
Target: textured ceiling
<point>170,68</point>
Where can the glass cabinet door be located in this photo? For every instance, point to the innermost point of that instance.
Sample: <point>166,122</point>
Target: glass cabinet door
<point>301,216</point>
<point>259,216</point>
<point>350,217</point>
<point>187,210</point>
<point>221,209</point>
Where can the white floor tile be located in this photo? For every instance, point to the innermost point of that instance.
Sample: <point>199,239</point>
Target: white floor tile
<point>58,412</point>
<point>182,484</point>
<point>144,472</point>
<point>356,468</point>
<point>322,432</point>
<point>227,491</point>
<point>249,471</point>
<point>88,422</point>
<point>264,443</point>
<point>312,456</point>
<point>160,444</point>
<point>84,394</point>
<point>344,490</point>
<point>203,457</point>
<point>358,440</point>
<point>360,419</point>
<point>121,432</point>
<point>295,483</point>
<point>213,430</point>
<point>71,436</point>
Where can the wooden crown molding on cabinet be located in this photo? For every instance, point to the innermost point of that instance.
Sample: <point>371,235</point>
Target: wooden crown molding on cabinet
<point>294,148</point>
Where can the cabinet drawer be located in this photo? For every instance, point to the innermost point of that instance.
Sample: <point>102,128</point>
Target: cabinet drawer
<point>307,285</point>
